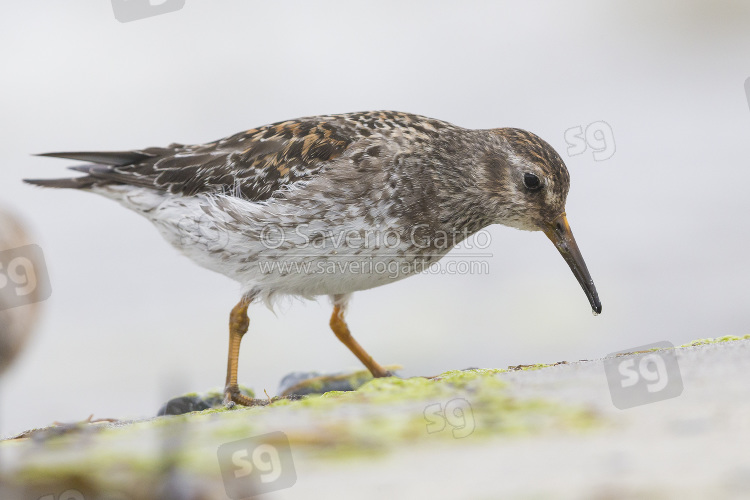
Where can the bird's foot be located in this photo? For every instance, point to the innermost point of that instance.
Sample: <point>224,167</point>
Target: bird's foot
<point>233,396</point>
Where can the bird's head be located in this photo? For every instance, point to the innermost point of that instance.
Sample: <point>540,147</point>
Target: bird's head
<point>529,184</point>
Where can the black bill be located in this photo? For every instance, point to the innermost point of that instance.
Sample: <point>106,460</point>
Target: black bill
<point>559,232</point>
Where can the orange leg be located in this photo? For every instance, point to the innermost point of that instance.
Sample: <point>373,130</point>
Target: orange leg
<point>340,328</point>
<point>238,324</point>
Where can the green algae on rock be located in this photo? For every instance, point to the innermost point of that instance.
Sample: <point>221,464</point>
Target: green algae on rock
<point>725,338</point>
<point>382,416</point>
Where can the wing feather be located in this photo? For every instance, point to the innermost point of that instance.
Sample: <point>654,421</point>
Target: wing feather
<point>252,164</point>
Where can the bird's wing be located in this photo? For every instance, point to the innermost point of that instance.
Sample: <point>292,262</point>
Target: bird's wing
<point>251,164</point>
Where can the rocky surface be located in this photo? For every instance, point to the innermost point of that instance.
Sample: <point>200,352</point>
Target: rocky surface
<point>529,432</point>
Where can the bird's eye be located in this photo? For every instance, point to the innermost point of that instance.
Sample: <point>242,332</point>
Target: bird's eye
<point>531,181</point>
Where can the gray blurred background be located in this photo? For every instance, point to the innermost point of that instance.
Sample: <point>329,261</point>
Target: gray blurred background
<point>663,222</point>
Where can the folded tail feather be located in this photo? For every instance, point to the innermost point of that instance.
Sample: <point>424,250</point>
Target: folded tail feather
<point>84,182</point>
<point>117,158</point>
<point>100,170</point>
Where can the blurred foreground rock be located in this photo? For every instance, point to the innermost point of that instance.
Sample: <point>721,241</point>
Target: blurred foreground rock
<point>529,432</point>
<point>19,303</point>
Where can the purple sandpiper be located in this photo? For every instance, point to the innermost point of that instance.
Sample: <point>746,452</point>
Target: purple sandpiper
<point>326,205</point>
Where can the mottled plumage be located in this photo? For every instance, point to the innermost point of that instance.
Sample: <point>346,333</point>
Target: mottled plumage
<point>287,192</point>
<point>254,163</point>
